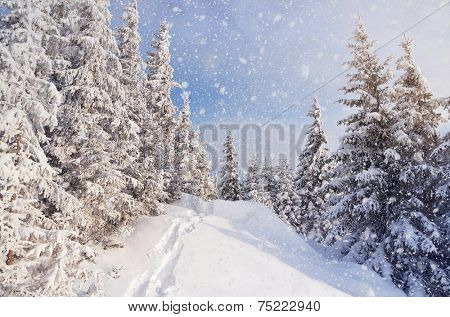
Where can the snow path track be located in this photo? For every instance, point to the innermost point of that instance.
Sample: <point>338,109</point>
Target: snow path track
<point>228,249</point>
<point>168,249</point>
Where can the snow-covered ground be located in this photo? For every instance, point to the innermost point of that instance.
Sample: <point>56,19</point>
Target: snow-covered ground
<point>225,248</point>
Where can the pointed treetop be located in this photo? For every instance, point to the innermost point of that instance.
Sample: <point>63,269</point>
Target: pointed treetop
<point>131,14</point>
<point>161,39</point>
<point>406,44</point>
<point>369,77</point>
<point>412,77</point>
<point>186,103</point>
<point>360,33</point>
<point>315,110</point>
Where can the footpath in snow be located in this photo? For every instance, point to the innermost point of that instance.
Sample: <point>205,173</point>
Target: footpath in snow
<point>222,248</point>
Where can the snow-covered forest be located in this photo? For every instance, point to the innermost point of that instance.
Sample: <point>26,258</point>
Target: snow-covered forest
<point>91,142</point>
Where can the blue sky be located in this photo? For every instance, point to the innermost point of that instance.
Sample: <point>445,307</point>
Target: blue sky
<point>245,61</point>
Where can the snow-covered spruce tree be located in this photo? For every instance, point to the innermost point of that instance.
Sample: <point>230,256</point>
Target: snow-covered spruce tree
<point>132,81</point>
<point>415,134</point>
<point>268,179</point>
<point>359,186</point>
<point>148,189</point>
<point>202,183</point>
<point>22,32</point>
<point>310,176</point>
<point>184,157</point>
<point>159,84</point>
<point>253,187</point>
<point>132,72</point>
<point>441,158</point>
<point>152,192</point>
<point>40,253</point>
<point>286,200</point>
<point>229,186</point>
<point>250,184</point>
<point>92,140</point>
<point>415,246</point>
<point>152,146</point>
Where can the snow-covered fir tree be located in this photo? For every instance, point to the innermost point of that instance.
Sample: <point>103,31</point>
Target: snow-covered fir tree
<point>202,182</point>
<point>132,81</point>
<point>22,34</point>
<point>93,136</point>
<point>415,134</point>
<point>416,111</point>
<point>415,246</point>
<point>441,158</point>
<point>184,156</point>
<point>149,189</point>
<point>253,187</point>
<point>131,62</point>
<point>159,84</point>
<point>268,179</point>
<point>359,187</point>
<point>309,178</point>
<point>229,186</point>
<point>250,185</point>
<point>286,199</point>
<point>40,252</point>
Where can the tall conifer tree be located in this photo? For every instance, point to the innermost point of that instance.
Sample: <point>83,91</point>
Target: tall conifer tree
<point>229,186</point>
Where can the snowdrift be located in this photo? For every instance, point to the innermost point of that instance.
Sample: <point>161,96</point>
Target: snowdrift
<point>223,248</point>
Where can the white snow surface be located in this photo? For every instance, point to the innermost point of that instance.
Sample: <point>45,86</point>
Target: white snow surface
<point>223,248</point>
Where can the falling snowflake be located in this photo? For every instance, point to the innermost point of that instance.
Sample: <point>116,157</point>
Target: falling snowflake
<point>277,18</point>
<point>305,71</point>
<point>242,60</point>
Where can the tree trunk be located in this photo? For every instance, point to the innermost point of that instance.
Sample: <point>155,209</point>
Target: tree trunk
<point>10,258</point>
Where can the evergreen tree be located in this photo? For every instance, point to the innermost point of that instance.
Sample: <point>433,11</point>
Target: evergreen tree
<point>90,142</point>
<point>309,178</point>
<point>159,84</point>
<point>229,187</point>
<point>203,185</point>
<point>184,155</point>
<point>359,188</point>
<point>253,188</point>
<point>416,111</point>
<point>414,245</point>
<point>286,200</point>
<point>148,189</point>
<point>40,252</point>
<point>415,135</point>
<point>441,158</point>
<point>132,83</point>
<point>22,36</point>
<point>56,40</point>
<point>250,186</point>
<point>268,180</point>
<point>131,62</point>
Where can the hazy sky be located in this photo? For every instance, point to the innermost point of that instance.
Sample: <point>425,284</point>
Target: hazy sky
<point>246,61</point>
